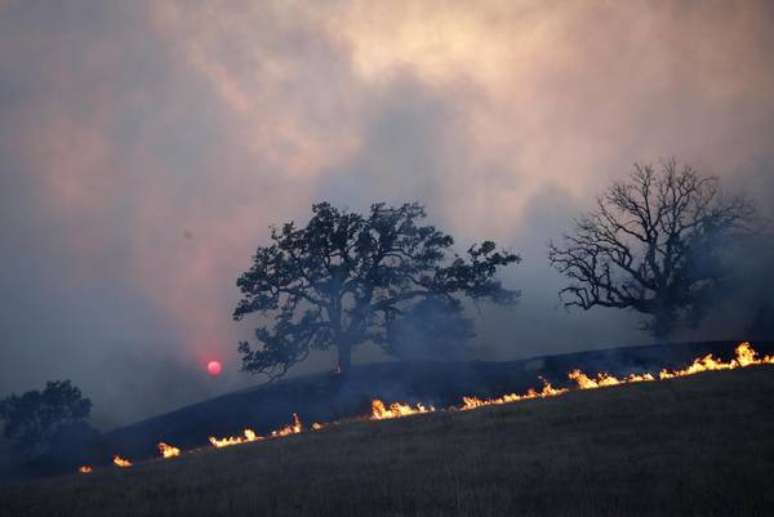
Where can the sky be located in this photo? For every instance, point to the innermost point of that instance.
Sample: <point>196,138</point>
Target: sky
<point>146,146</point>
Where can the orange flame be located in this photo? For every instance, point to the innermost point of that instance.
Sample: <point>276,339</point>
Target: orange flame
<point>745,356</point>
<point>603,379</point>
<point>547,391</point>
<point>168,451</point>
<point>120,462</point>
<point>396,410</point>
<point>248,436</point>
<point>295,428</point>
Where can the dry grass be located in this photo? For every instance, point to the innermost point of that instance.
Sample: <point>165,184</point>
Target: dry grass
<point>702,445</point>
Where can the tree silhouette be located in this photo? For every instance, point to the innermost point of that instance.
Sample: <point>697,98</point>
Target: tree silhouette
<point>35,417</point>
<point>346,279</point>
<point>654,244</point>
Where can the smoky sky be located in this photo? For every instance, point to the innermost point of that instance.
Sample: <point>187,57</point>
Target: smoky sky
<point>145,148</point>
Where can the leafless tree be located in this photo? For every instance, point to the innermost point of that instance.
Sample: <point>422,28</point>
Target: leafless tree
<point>654,244</point>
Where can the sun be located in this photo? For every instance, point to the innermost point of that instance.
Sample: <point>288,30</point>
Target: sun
<point>214,368</point>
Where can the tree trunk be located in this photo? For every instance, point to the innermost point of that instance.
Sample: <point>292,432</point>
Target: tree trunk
<point>345,358</point>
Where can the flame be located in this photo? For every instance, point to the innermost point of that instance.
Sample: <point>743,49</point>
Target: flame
<point>295,428</point>
<point>547,391</point>
<point>248,436</point>
<point>603,379</point>
<point>396,410</point>
<point>745,356</point>
<point>120,462</point>
<point>168,451</point>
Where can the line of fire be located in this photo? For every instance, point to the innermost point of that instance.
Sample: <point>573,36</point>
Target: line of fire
<point>745,356</point>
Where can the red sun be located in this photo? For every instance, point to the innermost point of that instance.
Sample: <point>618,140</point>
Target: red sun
<point>214,368</point>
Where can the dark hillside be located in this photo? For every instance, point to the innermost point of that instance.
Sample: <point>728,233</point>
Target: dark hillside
<point>699,445</point>
<point>327,397</point>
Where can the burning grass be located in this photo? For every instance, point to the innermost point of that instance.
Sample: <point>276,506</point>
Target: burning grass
<point>745,355</point>
<point>699,445</point>
<point>248,435</point>
<point>168,451</point>
<point>396,410</point>
<point>121,463</point>
<point>547,391</point>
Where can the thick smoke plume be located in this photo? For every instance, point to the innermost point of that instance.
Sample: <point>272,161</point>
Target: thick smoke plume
<point>146,146</point>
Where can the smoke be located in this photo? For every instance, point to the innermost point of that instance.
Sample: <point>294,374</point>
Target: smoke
<point>147,146</point>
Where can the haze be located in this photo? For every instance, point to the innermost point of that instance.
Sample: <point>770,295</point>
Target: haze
<point>145,147</point>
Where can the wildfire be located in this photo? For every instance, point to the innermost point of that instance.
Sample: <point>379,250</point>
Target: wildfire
<point>295,428</point>
<point>168,451</point>
<point>547,391</point>
<point>603,379</point>
<point>396,410</point>
<point>745,356</point>
<point>247,436</point>
<point>120,462</point>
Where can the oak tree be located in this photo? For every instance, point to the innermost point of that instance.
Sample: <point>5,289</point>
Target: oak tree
<point>345,279</point>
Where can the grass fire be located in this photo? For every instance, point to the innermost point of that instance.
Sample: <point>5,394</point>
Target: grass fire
<point>745,356</point>
<point>404,258</point>
<point>121,463</point>
<point>168,451</point>
<point>593,439</point>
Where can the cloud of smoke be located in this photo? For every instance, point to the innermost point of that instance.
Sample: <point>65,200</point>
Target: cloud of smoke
<point>147,146</point>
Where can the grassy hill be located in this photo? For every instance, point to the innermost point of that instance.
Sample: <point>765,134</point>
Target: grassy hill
<point>327,397</point>
<point>700,445</point>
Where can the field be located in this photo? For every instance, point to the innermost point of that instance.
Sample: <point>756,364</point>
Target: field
<point>701,445</point>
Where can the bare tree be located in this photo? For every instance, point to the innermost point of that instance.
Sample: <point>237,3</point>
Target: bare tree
<point>653,244</point>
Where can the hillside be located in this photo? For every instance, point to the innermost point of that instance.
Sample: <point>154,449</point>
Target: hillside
<point>699,445</point>
<point>328,397</point>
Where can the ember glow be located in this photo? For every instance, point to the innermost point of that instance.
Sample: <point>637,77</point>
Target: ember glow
<point>167,451</point>
<point>120,462</point>
<point>85,469</point>
<point>745,356</point>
